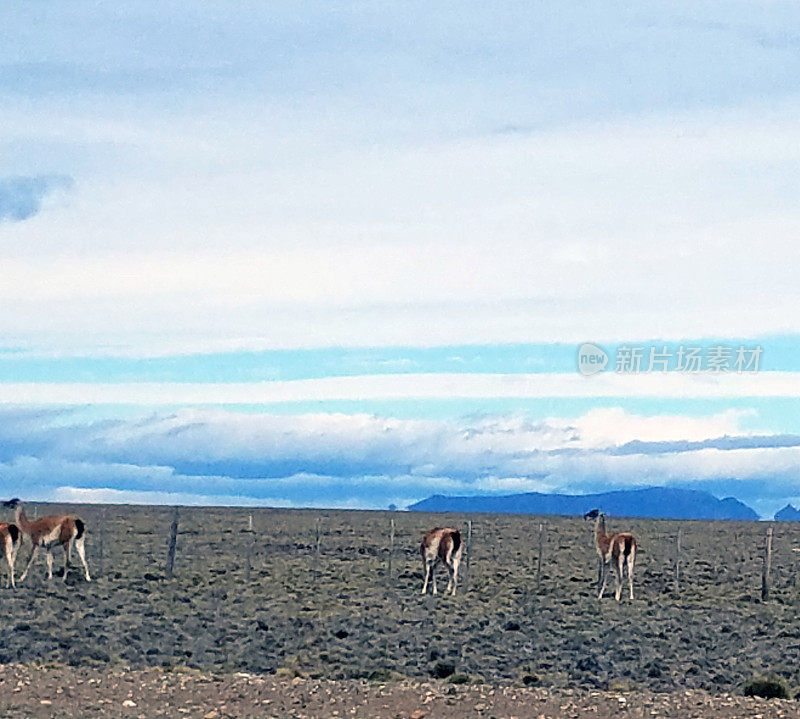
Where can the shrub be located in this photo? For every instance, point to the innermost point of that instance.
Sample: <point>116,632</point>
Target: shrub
<point>771,687</point>
<point>458,679</point>
<point>380,675</point>
<point>442,670</point>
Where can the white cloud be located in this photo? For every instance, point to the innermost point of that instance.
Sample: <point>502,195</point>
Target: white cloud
<point>79,495</point>
<point>404,386</point>
<point>608,427</point>
<point>552,235</point>
<point>329,176</point>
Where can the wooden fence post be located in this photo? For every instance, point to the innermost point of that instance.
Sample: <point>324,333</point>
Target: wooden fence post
<point>765,569</point>
<point>468,563</point>
<point>391,548</point>
<point>173,541</point>
<point>539,559</point>
<point>250,542</point>
<point>317,541</point>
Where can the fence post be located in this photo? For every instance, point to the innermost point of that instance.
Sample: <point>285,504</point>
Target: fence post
<point>678,562</point>
<point>391,547</point>
<point>539,559</point>
<point>766,566</point>
<point>250,542</point>
<point>468,563</point>
<point>173,541</point>
<point>317,540</point>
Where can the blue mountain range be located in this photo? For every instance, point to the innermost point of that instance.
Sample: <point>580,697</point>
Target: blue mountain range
<point>655,502</point>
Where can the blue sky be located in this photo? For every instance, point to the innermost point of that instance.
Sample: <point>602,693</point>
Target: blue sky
<point>349,215</point>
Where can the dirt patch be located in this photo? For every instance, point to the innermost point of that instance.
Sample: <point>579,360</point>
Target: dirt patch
<point>29,692</point>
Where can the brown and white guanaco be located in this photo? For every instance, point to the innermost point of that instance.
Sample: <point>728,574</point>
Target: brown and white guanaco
<point>441,544</point>
<point>618,549</point>
<point>46,533</point>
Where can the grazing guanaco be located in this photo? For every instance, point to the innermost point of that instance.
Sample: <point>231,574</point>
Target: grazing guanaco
<point>618,549</point>
<point>441,544</point>
<point>48,532</point>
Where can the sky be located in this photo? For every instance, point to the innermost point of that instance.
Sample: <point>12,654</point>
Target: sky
<point>343,254</point>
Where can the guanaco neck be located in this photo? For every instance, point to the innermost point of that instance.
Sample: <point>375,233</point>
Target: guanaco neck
<point>22,519</point>
<point>600,536</point>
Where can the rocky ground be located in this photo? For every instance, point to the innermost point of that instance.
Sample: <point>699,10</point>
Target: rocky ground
<point>39,691</point>
<point>275,602</point>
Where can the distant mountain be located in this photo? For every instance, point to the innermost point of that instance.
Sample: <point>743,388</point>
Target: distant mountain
<point>650,502</point>
<point>788,514</point>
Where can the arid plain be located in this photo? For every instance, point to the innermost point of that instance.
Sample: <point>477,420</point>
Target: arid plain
<point>318,595</point>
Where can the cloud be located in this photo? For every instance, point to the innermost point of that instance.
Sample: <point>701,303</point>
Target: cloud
<point>553,255</point>
<point>333,175</point>
<point>77,495</point>
<point>609,427</point>
<point>439,386</point>
<point>221,457</point>
<point>22,197</point>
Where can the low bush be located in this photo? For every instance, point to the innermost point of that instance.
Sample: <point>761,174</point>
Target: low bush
<point>771,687</point>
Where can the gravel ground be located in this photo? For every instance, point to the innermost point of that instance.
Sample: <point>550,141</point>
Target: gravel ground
<point>46,691</point>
